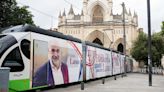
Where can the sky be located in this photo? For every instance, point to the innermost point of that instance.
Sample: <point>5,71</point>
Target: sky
<point>46,12</point>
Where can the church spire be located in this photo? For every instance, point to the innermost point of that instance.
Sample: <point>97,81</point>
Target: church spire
<point>135,15</point>
<point>111,12</point>
<point>71,11</point>
<point>130,12</point>
<point>125,11</point>
<point>64,13</point>
<point>82,14</point>
<point>60,14</point>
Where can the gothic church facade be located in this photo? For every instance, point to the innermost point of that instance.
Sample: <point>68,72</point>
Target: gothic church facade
<point>98,24</point>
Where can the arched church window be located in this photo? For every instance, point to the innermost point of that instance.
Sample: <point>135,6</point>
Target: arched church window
<point>120,47</point>
<point>97,14</point>
<point>98,41</point>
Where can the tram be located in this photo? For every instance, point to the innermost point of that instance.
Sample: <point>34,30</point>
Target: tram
<point>25,49</point>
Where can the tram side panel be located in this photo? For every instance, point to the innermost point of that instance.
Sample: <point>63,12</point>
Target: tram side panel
<point>90,61</point>
<point>37,66</point>
<point>103,65</point>
<point>116,63</point>
<point>108,63</point>
<point>69,54</point>
<point>122,58</point>
<point>98,63</point>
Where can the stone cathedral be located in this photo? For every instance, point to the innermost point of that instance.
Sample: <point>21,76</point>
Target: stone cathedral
<point>98,24</point>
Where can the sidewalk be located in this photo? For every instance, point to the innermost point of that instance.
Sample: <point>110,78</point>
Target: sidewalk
<point>132,83</point>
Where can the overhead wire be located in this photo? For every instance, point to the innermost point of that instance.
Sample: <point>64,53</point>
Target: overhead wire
<point>72,4</point>
<point>41,12</point>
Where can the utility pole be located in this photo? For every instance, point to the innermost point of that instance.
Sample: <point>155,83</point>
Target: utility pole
<point>124,36</point>
<point>149,43</point>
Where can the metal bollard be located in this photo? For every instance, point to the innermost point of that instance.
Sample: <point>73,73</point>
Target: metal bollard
<point>115,78</point>
<point>82,85</point>
<point>103,80</point>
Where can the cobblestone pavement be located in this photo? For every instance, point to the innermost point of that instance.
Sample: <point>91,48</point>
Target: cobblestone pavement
<point>132,83</point>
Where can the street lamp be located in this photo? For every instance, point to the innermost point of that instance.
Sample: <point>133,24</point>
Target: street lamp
<point>124,36</point>
<point>149,43</point>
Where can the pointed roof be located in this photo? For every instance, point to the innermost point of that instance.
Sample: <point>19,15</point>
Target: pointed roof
<point>60,14</point>
<point>71,10</point>
<point>111,12</point>
<point>125,9</point>
<point>135,15</point>
<point>82,14</point>
<point>64,13</point>
<point>130,12</point>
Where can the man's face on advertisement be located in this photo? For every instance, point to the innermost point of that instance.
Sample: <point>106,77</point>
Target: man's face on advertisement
<point>55,53</point>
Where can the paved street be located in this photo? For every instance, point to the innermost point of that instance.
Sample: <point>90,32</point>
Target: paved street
<point>132,83</point>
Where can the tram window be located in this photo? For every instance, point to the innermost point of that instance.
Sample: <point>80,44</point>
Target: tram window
<point>1,36</point>
<point>14,61</point>
<point>6,42</point>
<point>25,47</point>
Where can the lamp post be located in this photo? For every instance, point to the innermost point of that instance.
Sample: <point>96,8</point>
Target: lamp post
<point>149,43</point>
<point>124,36</point>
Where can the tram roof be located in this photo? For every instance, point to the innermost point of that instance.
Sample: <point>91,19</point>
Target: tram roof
<point>30,28</point>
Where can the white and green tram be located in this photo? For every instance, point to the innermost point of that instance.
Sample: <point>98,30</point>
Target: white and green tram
<point>24,49</point>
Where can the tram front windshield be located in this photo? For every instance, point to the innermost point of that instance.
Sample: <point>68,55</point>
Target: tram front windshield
<point>6,41</point>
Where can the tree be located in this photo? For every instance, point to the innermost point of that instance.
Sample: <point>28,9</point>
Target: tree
<point>140,48</point>
<point>22,16</point>
<point>11,14</point>
<point>162,29</point>
<point>157,48</point>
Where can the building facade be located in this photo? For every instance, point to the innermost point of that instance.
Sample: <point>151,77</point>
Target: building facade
<point>98,24</point>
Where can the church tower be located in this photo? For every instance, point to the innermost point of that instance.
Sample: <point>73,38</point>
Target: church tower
<point>97,10</point>
<point>97,23</point>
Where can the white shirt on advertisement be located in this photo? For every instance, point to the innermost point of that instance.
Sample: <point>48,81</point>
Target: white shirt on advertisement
<point>57,74</point>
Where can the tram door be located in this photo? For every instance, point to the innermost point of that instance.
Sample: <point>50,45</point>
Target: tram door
<point>39,60</point>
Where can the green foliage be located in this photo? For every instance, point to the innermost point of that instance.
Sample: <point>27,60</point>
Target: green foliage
<point>13,15</point>
<point>140,48</point>
<point>157,48</point>
<point>162,29</point>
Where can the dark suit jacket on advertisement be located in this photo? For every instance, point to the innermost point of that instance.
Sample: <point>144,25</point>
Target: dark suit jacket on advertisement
<point>44,75</point>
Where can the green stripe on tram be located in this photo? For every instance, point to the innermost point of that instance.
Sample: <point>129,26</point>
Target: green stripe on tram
<point>19,85</point>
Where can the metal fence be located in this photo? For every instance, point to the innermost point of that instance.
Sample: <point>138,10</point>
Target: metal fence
<point>155,70</point>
